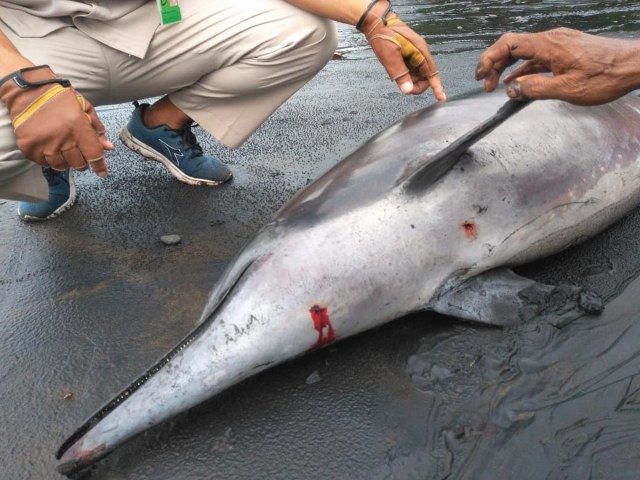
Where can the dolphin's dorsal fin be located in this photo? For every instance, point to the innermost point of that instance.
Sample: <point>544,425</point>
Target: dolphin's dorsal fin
<point>444,160</point>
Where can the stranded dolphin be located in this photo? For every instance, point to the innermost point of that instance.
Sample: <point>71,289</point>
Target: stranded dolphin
<point>373,239</point>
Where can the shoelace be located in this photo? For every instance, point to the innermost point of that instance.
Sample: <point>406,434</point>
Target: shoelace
<point>185,133</point>
<point>189,139</point>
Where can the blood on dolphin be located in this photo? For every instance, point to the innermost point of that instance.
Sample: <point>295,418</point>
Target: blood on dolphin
<point>321,321</point>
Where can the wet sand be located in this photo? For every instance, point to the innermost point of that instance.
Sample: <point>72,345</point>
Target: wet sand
<point>93,298</point>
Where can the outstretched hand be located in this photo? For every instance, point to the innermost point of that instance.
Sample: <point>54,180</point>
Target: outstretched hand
<point>404,54</point>
<point>587,69</point>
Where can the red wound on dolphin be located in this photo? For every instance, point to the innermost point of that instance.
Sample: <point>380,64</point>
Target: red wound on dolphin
<point>470,230</point>
<point>321,321</point>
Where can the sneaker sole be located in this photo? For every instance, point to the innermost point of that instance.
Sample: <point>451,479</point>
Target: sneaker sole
<point>146,151</point>
<point>58,211</point>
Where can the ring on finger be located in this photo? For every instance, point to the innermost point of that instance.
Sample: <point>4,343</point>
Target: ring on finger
<point>437,72</point>
<point>73,157</point>
<point>94,160</point>
<point>399,75</point>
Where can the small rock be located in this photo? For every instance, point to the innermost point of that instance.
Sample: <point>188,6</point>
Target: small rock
<point>313,378</point>
<point>68,396</point>
<point>170,239</point>
<point>338,56</point>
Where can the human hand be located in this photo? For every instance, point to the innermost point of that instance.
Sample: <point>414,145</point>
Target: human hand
<point>403,53</point>
<point>587,69</point>
<point>54,125</point>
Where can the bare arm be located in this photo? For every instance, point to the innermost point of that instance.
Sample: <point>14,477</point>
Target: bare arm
<point>343,11</point>
<point>10,58</point>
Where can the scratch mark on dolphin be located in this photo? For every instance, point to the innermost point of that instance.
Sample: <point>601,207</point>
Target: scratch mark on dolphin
<point>586,202</point>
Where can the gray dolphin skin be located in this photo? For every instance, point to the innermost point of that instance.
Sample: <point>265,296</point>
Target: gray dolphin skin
<point>372,240</point>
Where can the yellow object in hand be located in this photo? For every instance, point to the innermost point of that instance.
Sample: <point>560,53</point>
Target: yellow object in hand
<point>412,56</point>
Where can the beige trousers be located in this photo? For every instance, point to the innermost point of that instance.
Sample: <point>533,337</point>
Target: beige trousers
<point>228,65</point>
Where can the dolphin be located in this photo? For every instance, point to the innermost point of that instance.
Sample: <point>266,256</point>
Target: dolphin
<point>374,239</point>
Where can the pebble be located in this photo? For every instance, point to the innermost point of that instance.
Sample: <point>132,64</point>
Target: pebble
<point>170,239</point>
<point>314,378</point>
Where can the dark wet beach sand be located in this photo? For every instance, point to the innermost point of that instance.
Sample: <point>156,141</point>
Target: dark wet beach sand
<point>92,299</point>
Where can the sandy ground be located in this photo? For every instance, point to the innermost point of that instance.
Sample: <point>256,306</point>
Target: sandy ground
<point>90,300</point>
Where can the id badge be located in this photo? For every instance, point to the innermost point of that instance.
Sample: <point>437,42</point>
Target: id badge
<point>169,11</point>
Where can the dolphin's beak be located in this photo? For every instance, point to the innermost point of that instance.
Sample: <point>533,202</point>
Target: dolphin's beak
<point>76,459</point>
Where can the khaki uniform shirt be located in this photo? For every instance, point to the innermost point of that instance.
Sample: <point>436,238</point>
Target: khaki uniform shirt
<point>125,25</point>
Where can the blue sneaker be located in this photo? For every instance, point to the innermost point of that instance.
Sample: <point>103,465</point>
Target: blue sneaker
<point>62,196</point>
<point>178,150</point>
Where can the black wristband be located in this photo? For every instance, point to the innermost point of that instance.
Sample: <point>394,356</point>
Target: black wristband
<point>366,12</point>
<point>21,82</point>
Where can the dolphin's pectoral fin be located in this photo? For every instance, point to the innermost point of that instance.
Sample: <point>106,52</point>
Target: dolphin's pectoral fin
<point>501,297</point>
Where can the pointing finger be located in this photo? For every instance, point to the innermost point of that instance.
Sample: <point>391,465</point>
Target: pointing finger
<point>429,71</point>
<point>93,153</point>
<point>98,165</point>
